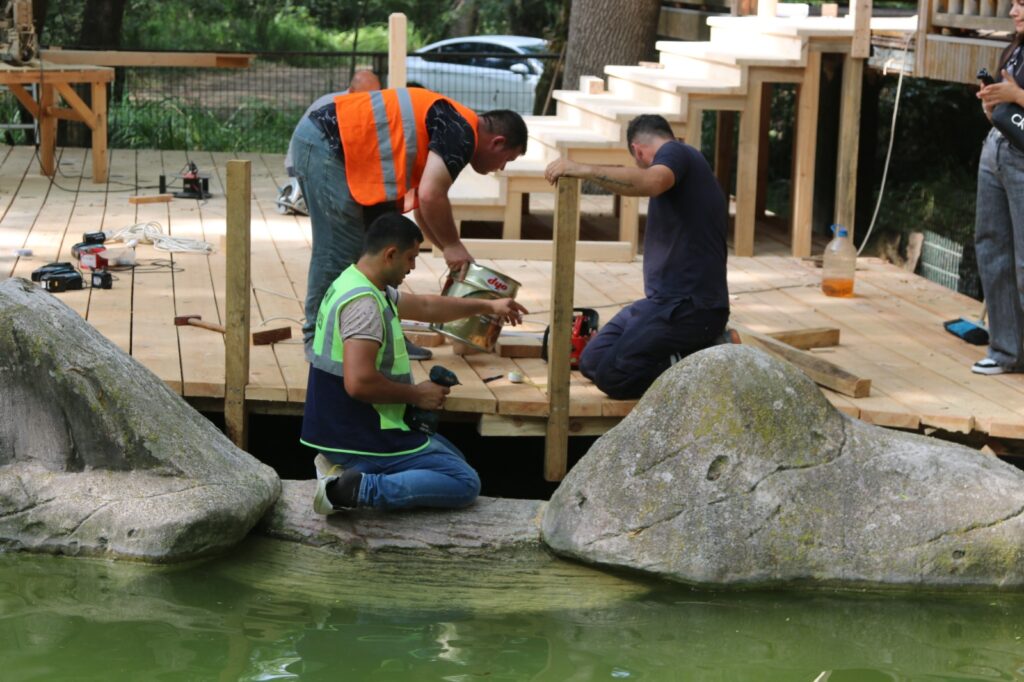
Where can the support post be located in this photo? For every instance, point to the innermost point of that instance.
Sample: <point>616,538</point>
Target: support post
<point>629,221</point>
<point>804,156</point>
<point>236,337</point>
<point>397,50</point>
<point>47,129</point>
<point>566,232</point>
<point>725,148</point>
<point>99,132</point>
<point>861,11</point>
<point>746,171</point>
<point>849,142</point>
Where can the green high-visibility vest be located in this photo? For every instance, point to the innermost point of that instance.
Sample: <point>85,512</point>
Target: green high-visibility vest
<point>329,348</point>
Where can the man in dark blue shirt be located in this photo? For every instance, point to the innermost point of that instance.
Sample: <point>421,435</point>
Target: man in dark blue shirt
<point>687,299</point>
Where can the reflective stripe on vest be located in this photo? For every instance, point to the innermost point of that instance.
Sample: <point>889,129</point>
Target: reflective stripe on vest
<point>385,142</point>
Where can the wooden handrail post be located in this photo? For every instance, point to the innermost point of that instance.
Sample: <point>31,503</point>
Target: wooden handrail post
<point>398,48</point>
<point>236,338</point>
<point>563,271</point>
<point>861,11</point>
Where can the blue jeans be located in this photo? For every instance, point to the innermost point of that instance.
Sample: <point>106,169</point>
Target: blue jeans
<point>632,350</point>
<point>338,222</point>
<point>437,476</point>
<point>999,242</point>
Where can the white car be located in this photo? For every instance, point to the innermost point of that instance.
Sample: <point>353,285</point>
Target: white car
<point>504,79</point>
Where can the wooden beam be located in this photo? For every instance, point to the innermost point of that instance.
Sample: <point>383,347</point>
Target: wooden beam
<point>157,59</point>
<point>26,99</point>
<point>502,425</point>
<point>151,199</point>
<point>820,371</point>
<point>746,175</point>
<point>77,104</point>
<point>47,129</point>
<point>725,149</point>
<point>540,249</point>
<point>629,222</point>
<point>849,143</point>
<point>236,338</point>
<point>566,232</point>
<point>861,46</point>
<point>804,157</point>
<point>519,347</point>
<point>99,131</point>
<point>398,48</point>
<point>805,339</point>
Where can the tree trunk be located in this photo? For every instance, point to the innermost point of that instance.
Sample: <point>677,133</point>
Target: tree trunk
<point>465,18</point>
<point>101,29</point>
<point>603,32</point>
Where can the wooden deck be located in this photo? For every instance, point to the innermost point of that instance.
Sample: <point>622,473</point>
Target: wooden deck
<point>891,331</point>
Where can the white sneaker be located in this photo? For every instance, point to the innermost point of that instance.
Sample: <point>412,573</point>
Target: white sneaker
<point>321,505</point>
<point>325,467</point>
<point>988,366</point>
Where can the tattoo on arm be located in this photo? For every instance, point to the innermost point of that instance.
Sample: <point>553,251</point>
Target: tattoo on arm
<point>613,182</point>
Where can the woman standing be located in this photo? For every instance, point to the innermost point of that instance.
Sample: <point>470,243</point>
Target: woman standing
<point>999,218</point>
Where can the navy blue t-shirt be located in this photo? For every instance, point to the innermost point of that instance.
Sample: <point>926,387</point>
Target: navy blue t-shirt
<point>684,243</point>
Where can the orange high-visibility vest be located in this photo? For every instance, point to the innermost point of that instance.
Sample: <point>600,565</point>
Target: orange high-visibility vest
<point>384,138</point>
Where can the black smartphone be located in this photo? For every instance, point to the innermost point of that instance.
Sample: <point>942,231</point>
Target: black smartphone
<point>985,77</point>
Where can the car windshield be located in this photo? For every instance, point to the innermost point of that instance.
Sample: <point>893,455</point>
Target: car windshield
<point>535,48</point>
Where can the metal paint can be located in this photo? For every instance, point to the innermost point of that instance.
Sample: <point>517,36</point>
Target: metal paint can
<point>477,281</point>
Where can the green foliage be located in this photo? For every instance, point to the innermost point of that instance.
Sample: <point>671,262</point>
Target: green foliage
<point>171,124</point>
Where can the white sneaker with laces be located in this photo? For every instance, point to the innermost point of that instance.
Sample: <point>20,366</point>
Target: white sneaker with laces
<point>989,367</point>
<point>322,505</point>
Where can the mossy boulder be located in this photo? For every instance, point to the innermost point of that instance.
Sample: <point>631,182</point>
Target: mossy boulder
<point>99,457</point>
<point>735,470</point>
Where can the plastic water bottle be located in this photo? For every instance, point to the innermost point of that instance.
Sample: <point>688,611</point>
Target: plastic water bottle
<point>839,264</point>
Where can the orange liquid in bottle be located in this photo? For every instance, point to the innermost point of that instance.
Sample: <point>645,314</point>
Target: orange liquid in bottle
<point>834,286</point>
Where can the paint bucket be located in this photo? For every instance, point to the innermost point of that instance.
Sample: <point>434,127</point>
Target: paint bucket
<point>477,281</point>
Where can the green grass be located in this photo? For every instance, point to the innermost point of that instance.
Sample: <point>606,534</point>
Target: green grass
<point>171,124</point>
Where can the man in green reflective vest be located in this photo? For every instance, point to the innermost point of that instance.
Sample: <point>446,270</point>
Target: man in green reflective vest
<point>360,383</point>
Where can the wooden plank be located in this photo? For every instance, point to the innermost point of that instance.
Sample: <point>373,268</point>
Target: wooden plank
<point>239,174</point>
<point>746,175</point>
<point>805,339</point>
<point>538,249</point>
<point>566,233</point>
<point>502,425</point>
<point>47,129</point>
<point>202,353</point>
<point>849,144</point>
<point>585,399</point>
<point>77,104</point>
<point>155,59</point>
<point>154,340</point>
<point>512,399</point>
<point>151,199</point>
<point>519,347</point>
<point>805,153</point>
<point>111,311</point>
<point>397,49</point>
<point>860,47</point>
<point>821,371</point>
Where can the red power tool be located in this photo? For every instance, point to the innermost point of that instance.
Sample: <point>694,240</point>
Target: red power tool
<point>584,326</point>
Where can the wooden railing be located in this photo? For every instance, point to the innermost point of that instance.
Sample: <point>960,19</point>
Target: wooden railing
<point>976,15</point>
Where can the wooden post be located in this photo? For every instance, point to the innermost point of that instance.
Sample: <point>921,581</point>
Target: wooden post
<point>236,338</point>
<point>47,129</point>
<point>99,132</point>
<point>861,11</point>
<point>629,221</point>
<point>849,142</point>
<point>398,47</point>
<point>924,27</point>
<point>766,8</point>
<point>804,156</point>
<point>563,269</point>
<point>746,172</point>
<point>764,150</point>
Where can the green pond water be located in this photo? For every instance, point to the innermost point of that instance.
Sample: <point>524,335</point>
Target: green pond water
<point>277,611</point>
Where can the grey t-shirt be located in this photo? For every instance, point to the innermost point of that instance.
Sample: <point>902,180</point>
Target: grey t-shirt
<point>361,319</point>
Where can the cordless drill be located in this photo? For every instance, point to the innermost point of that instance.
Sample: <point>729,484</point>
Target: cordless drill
<point>426,421</point>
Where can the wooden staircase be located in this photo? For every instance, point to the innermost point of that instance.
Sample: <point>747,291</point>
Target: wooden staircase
<point>727,73</point>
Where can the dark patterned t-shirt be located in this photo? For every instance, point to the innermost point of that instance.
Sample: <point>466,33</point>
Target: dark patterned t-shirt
<point>450,135</point>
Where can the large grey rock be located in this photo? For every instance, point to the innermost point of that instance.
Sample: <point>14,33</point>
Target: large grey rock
<point>734,470</point>
<point>99,457</point>
<point>490,528</point>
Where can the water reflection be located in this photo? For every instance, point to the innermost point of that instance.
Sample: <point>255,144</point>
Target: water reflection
<point>273,611</point>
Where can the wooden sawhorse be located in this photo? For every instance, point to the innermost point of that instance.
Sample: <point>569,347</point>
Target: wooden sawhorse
<point>54,79</point>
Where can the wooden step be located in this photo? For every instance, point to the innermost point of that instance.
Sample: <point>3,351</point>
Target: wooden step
<point>644,84</point>
<point>607,114</point>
